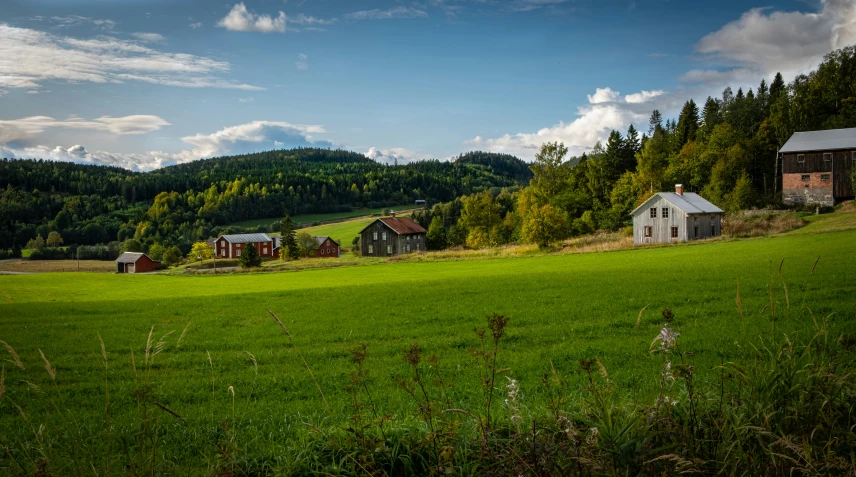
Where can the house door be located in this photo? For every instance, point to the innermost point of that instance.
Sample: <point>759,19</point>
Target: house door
<point>842,170</point>
<point>120,268</point>
<point>130,268</point>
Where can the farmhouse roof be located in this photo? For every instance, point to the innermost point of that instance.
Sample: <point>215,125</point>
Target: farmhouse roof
<point>688,202</point>
<point>821,140</point>
<point>247,238</point>
<point>399,225</point>
<point>320,240</point>
<point>132,257</point>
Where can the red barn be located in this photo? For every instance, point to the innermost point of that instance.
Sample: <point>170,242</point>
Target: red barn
<point>133,262</point>
<point>327,247</point>
<point>230,246</point>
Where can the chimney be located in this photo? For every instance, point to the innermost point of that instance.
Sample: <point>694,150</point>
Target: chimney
<point>392,213</point>
<point>679,189</point>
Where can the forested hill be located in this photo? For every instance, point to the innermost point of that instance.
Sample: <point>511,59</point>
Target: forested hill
<point>94,204</point>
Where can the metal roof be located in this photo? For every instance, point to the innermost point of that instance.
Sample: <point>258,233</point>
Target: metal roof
<point>689,202</point>
<point>130,257</point>
<point>320,240</point>
<point>821,140</point>
<point>247,238</point>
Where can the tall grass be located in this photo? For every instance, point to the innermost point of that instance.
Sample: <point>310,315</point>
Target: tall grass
<point>783,405</point>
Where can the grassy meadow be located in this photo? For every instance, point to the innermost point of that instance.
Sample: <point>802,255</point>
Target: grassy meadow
<point>312,218</point>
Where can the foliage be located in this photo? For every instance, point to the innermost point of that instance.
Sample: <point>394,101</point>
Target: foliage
<point>250,257</point>
<point>306,244</point>
<point>172,256</point>
<point>436,236</point>
<point>132,245</point>
<point>544,225</point>
<point>37,243</point>
<point>54,239</point>
<point>287,230</point>
<point>201,251</point>
<point>156,251</point>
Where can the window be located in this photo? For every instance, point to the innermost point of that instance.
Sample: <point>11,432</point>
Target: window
<point>371,249</point>
<point>827,156</point>
<point>653,212</point>
<point>713,230</point>
<point>375,236</point>
<point>696,231</point>
<point>417,246</point>
<point>648,231</point>
<point>238,253</point>
<point>322,251</point>
<point>383,236</point>
<point>389,249</point>
<point>805,177</point>
<point>665,212</point>
<point>800,158</point>
<point>328,250</point>
<point>674,232</point>
<point>824,177</point>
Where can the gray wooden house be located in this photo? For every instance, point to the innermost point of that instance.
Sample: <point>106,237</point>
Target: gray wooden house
<point>817,166</point>
<point>388,236</point>
<point>675,217</point>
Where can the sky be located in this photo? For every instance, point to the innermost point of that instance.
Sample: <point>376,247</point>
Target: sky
<point>142,84</point>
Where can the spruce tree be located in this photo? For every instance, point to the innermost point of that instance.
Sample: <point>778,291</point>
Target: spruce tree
<point>688,123</point>
<point>288,247</point>
<point>250,257</point>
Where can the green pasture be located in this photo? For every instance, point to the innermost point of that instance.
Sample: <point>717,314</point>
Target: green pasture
<point>562,308</point>
<point>312,218</point>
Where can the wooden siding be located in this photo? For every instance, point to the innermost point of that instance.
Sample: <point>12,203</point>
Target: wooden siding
<point>840,167</point>
<point>842,174</point>
<point>394,244</point>
<point>328,249</point>
<point>661,228</point>
<point>224,249</point>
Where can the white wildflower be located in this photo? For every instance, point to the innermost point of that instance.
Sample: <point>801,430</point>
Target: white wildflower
<point>592,436</point>
<point>667,338</point>
<point>512,403</point>
<point>668,376</point>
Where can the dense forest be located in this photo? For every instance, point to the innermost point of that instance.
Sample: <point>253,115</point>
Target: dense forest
<point>180,204</point>
<point>726,150</point>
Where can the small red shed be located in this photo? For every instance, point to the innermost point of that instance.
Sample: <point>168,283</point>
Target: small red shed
<point>133,262</point>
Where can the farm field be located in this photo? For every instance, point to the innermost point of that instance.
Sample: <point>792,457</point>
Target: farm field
<point>562,308</point>
<point>42,266</point>
<point>312,218</point>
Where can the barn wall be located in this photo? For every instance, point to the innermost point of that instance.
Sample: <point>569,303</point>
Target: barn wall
<point>328,249</point>
<point>795,190</point>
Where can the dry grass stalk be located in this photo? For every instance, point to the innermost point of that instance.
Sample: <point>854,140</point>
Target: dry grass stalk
<point>639,318</point>
<point>255,363</point>
<point>814,266</point>
<point>50,369</point>
<point>149,343</point>
<point>280,324</point>
<point>103,350</point>
<point>181,337</point>
<point>15,358</point>
<point>602,367</point>
<point>161,344</point>
<point>170,411</point>
<point>305,364</point>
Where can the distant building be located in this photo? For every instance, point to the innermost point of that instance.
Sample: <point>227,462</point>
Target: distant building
<point>421,202</point>
<point>388,236</point>
<point>817,166</point>
<point>327,247</point>
<point>675,217</point>
<point>133,262</point>
<point>231,246</point>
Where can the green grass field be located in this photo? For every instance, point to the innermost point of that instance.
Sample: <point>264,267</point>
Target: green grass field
<point>312,218</point>
<point>562,308</point>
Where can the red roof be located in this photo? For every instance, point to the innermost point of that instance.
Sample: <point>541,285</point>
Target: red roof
<point>401,225</point>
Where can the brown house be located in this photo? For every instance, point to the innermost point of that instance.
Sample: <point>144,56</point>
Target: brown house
<point>230,246</point>
<point>817,166</point>
<point>327,247</point>
<point>390,236</point>
<point>132,262</point>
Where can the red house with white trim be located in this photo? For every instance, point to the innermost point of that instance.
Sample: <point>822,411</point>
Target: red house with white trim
<point>231,246</point>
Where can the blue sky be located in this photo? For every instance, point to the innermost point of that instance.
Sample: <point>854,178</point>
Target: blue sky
<point>143,83</point>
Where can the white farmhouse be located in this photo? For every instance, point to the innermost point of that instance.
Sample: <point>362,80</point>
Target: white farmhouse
<point>675,217</point>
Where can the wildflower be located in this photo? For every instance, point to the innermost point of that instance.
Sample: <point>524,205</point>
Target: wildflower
<point>667,338</point>
<point>592,436</point>
<point>668,375</point>
<point>512,403</point>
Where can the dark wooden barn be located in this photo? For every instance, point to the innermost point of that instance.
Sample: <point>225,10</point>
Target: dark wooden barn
<point>388,236</point>
<point>133,262</point>
<point>817,166</point>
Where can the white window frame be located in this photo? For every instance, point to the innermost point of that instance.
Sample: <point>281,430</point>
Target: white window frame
<point>648,232</point>
<point>800,158</point>
<point>375,236</point>
<point>664,212</point>
<point>238,253</point>
<point>827,176</point>
<point>371,249</point>
<point>389,249</point>
<point>827,156</point>
<point>652,213</point>
<point>805,177</point>
<point>383,235</point>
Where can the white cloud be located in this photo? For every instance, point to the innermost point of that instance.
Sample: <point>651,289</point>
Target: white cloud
<point>607,110</point>
<point>241,19</point>
<point>75,20</point>
<point>149,37</point>
<point>395,12</point>
<point>246,100</point>
<point>763,41</point>
<point>301,19</point>
<point>29,57</point>
<point>394,155</point>
<point>529,5</point>
<point>196,25</point>
<point>249,137</point>
<point>26,128</point>
<point>302,62</point>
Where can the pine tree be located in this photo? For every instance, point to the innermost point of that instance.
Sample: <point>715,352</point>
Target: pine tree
<point>688,123</point>
<point>655,124</point>
<point>250,257</point>
<point>777,87</point>
<point>288,246</point>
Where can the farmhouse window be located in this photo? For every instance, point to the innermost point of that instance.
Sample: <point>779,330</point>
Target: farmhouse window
<point>328,250</point>
<point>800,158</point>
<point>653,212</point>
<point>375,236</point>
<point>805,177</point>
<point>648,231</point>
<point>383,236</point>
<point>322,251</point>
<point>824,177</point>
<point>827,156</point>
<point>665,212</point>
<point>674,232</point>
<point>371,249</point>
<point>389,249</point>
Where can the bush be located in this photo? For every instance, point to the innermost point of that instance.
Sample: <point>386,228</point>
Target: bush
<point>760,224</point>
<point>52,253</point>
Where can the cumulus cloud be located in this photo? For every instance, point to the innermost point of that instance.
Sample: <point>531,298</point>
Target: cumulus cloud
<point>244,138</point>
<point>395,155</point>
<point>607,110</point>
<point>763,41</point>
<point>241,19</point>
<point>149,37</point>
<point>302,62</point>
<point>28,57</point>
<point>196,25</point>
<point>380,14</point>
